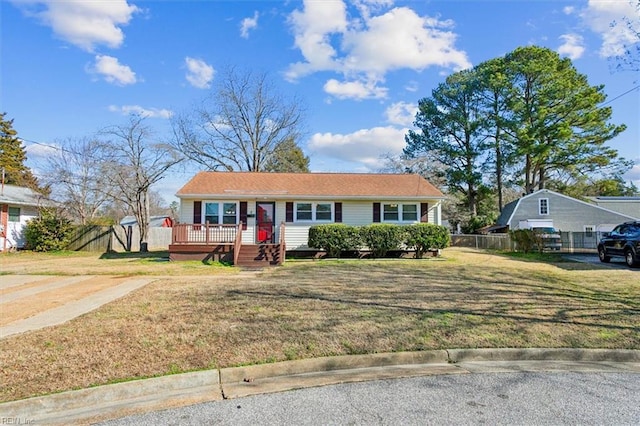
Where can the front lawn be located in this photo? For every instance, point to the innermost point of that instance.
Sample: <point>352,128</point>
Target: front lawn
<point>466,299</point>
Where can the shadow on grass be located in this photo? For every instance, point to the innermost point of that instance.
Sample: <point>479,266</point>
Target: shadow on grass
<point>160,255</point>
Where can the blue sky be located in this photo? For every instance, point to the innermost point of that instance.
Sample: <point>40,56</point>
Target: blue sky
<point>71,67</point>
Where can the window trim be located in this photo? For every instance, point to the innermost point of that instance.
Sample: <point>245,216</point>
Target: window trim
<point>314,211</point>
<point>546,206</point>
<point>400,212</point>
<point>220,212</point>
<point>16,218</point>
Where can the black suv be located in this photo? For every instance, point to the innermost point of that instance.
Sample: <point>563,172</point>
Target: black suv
<point>623,241</point>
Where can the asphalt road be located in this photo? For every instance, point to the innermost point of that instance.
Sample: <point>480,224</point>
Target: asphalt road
<point>562,398</point>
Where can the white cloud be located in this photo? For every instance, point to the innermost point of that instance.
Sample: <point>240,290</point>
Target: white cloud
<point>573,46</point>
<point>357,90</point>
<point>36,151</point>
<point>568,10</point>
<point>364,48</point>
<point>85,24</point>
<point>199,73</point>
<point>113,71</point>
<point>401,113</point>
<point>141,111</point>
<point>313,28</point>
<point>599,16</point>
<point>248,24</point>
<point>366,146</point>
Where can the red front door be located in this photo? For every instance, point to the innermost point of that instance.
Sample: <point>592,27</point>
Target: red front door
<point>264,222</point>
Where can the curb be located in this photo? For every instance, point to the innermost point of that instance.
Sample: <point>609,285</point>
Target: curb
<point>121,399</point>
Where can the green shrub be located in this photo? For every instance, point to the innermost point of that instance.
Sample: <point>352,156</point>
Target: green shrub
<point>527,240</point>
<point>48,232</point>
<point>334,238</point>
<point>423,237</point>
<point>382,238</point>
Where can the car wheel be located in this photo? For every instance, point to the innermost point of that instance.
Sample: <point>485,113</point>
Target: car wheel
<point>603,255</point>
<point>629,258</point>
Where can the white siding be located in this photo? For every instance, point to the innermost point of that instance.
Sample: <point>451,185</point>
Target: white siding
<point>355,213</point>
<point>15,230</point>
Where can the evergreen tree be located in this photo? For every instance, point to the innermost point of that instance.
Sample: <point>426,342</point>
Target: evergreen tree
<point>13,157</point>
<point>287,157</point>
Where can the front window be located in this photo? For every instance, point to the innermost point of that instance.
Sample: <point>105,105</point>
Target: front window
<point>229,216</point>
<point>409,212</point>
<point>321,212</point>
<point>399,212</point>
<point>304,211</point>
<point>14,214</point>
<point>543,206</point>
<point>211,214</point>
<point>216,213</point>
<point>390,212</point>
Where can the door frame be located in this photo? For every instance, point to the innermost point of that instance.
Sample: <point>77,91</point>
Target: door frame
<point>270,240</point>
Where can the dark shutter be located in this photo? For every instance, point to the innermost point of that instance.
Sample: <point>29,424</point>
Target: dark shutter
<point>289,212</point>
<point>197,212</point>
<point>243,214</point>
<point>376,212</point>
<point>338,212</point>
<point>424,212</point>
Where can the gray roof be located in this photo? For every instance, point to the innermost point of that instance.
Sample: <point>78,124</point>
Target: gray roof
<point>505,214</point>
<point>20,196</point>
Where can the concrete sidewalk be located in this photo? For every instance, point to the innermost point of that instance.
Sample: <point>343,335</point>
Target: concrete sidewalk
<point>66,311</point>
<point>118,400</point>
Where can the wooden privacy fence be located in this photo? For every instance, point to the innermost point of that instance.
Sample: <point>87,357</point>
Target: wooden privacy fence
<point>117,238</point>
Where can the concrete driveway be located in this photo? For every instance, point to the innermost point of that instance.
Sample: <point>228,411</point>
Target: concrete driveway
<point>593,259</point>
<point>31,302</point>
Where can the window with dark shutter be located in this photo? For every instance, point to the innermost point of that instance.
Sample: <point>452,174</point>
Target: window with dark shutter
<point>424,212</point>
<point>338,212</point>
<point>376,212</point>
<point>243,214</point>
<point>289,212</point>
<point>197,212</point>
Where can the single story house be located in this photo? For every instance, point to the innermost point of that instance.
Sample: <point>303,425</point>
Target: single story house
<point>629,206</point>
<point>18,205</point>
<point>154,221</point>
<point>279,208</point>
<point>547,208</point>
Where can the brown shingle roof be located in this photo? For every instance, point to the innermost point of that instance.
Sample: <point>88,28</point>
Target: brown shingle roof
<point>287,185</point>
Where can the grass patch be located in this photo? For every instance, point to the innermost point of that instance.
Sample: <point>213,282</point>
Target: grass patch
<point>310,309</point>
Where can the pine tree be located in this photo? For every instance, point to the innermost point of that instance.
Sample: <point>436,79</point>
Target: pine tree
<point>13,157</point>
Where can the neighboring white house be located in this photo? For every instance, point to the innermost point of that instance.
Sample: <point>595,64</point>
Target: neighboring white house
<point>561,212</point>
<point>18,205</point>
<point>262,201</point>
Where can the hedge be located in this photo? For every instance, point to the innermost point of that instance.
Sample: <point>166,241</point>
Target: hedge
<point>335,238</point>
<point>378,238</point>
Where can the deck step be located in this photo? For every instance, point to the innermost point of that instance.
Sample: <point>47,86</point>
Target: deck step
<point>259,255</point>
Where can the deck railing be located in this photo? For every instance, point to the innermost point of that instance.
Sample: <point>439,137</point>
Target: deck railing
<point>283,247</point>
<point>204,234</point>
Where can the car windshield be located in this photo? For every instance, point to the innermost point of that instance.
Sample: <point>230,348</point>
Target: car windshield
<point>547,230</point>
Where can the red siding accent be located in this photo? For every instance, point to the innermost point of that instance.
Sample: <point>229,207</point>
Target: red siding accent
<point>424,212</point>
<point>338,212</point>
<point>376,212</point>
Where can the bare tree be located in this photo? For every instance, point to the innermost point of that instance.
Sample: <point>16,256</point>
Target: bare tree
<point>75,178</point>
<point>134,164</point>
<point>240,125</point>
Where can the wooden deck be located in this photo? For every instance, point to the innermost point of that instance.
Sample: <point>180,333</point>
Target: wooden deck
<point>206,242</point>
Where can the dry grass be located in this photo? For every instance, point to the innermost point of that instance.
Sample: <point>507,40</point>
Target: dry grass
<point>312,309</point>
